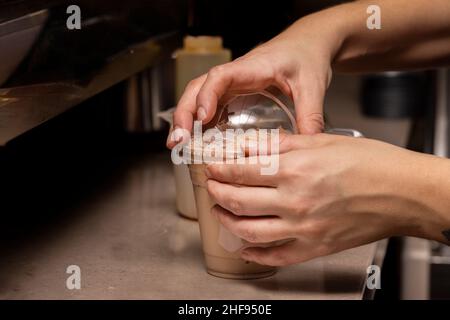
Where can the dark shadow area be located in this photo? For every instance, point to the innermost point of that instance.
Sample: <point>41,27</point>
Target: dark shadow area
<point>48,172</point>
<point>333,281</point>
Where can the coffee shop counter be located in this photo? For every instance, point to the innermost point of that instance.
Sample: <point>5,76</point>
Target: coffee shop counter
<point>130,243</point>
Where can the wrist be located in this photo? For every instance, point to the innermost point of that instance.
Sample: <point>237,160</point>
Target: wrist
<point>432,189</point>
<point>420,192</point>
<point>407,193</point>
<point>324,31</point>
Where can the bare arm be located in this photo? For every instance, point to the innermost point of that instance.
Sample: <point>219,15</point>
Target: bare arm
<point>414,34</point>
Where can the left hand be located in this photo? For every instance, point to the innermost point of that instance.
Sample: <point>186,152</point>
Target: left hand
<point>330,193</point>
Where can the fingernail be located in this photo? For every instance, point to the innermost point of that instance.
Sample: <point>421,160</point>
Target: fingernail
<point>201,113</point>
<point>177,134</point>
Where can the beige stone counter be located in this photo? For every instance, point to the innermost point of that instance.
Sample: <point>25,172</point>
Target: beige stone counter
<point>130,244</point>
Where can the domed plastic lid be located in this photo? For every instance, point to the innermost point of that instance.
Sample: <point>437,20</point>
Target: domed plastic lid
<point>232,127</point>
<point>258,110</point>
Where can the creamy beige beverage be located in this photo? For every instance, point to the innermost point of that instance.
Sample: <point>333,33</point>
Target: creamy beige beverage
<point>220,260</point>
<point>220,248</point>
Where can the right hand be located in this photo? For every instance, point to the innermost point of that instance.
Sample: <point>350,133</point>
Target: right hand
<point>300,69</point>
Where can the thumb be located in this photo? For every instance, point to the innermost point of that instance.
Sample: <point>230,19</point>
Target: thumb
<point>309,108</point>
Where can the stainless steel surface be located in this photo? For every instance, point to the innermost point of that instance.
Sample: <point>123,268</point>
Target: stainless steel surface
<point>16,38</point>
<point>442,130</point>
<point>31,20</point>
<point>342,110</point>
<point>23,108</point>
<point>415,269</point>
<point>439,256</point>
<point>345,132</point>
<point>418,257</point>
<point>148,94</point>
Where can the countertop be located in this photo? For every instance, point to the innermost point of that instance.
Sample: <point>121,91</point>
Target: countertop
<point>130,243</point>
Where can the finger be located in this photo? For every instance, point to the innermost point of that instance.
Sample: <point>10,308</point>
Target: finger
<point>253,229</point>
<point>236,76</point>
<point>176,136</point>
<point>291,142</point>
<point>309,107</point>
<point>302,141</point>
<point>184,114</point>
<point>171,140</point>
<point>283,255</point>
<point>284,143</point>
<point>290,252</point>
<point>242,174</point>
<point>260,142</point>
<point>246,201</point>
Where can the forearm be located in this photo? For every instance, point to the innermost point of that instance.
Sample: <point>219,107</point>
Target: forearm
<point>403,193</point>
<point>433,190</point>
<point>414,34</point>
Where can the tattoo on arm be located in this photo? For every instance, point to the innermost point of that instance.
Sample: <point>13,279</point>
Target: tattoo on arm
<point>446,234</point>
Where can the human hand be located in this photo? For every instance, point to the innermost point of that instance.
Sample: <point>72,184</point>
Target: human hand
<point>300,69</point>
<point>330,193</point>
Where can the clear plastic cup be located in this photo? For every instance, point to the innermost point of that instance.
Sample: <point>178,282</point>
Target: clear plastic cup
<point>220,247</point>
<point>260,110</point>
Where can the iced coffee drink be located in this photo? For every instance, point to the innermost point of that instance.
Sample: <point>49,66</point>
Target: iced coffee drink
<point>220,247</point>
